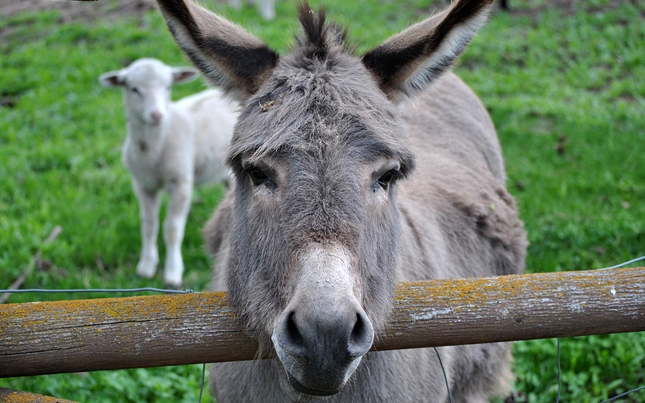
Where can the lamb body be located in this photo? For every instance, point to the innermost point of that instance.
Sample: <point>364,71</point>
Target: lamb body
<point>170,146</point>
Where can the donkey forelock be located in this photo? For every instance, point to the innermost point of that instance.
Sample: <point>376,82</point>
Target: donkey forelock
<point>319,37</point>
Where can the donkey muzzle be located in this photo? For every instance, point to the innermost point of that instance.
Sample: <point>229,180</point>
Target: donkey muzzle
<point>320,342</point>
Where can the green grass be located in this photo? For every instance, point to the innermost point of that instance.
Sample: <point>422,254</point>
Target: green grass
<point>545,76</point>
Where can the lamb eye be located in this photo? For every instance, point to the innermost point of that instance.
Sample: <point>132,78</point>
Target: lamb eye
<point>257,176</point>
<point>135,90</point>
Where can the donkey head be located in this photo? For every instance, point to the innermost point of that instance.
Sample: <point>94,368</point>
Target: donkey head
<point>317,153</point>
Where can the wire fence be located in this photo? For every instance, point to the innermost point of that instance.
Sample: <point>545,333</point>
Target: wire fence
<point>203,374</point>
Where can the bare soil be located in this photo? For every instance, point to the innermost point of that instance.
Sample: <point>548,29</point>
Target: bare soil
<point>79,10</point>
<point>90,10</point>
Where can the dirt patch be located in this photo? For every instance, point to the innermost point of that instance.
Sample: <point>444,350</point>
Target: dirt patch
<point>114,9</point>
<point>80,10</point>
<point>533,8</point>
<point>86,11</point>
<point>91,10</point>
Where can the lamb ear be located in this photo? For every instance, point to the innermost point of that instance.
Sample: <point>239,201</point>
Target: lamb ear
<point>228,56</point>
<point>408,62</point>
<point>182,75</point>
<point>111,79</point>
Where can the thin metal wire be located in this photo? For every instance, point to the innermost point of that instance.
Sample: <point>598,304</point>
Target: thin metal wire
<point>96,290</point>
<point>557,400</point>
<point>638,259</point>
<point>201,389</point>
<point>445,377</point>
<point>623,394</point>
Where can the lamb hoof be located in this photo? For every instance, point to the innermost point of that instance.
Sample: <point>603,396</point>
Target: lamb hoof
<point>146,270</point>
<point>173,284</point>
<point>173,271</point>
<point>179,286</point>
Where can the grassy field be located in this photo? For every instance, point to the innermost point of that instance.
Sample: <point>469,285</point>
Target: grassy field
<point>565,88</point>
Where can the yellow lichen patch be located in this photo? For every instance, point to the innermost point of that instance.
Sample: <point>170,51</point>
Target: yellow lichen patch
<point>49,316</point>
<point>478,295</point>
<point>12,396</point>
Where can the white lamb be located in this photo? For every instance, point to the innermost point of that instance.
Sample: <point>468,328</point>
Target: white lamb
<point>171,146</point>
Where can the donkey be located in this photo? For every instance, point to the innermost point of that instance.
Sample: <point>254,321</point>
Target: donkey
<point>350,174</point>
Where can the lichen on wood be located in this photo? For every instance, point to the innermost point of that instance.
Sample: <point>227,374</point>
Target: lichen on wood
<point>14,396</point>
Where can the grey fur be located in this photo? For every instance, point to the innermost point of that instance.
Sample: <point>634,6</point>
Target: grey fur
<point>315,229</point>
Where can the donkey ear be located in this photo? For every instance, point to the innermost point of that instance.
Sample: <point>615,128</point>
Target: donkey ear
<point>229,57</point>
<point>408,62</point>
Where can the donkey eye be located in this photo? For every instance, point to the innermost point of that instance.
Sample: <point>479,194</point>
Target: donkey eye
<point>258,177</point>
<point>385,180</point>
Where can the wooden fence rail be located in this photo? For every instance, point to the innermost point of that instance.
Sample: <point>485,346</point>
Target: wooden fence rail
<point>118,333</point>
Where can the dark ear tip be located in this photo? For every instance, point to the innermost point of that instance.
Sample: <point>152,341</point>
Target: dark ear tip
<point>408,63</point>
<point>110,80</point>
<point>229,57</point>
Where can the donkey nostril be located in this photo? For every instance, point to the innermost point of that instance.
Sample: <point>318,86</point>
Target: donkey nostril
<point>292,338</point>
<point>361,337</point>
<point>358,329</point>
